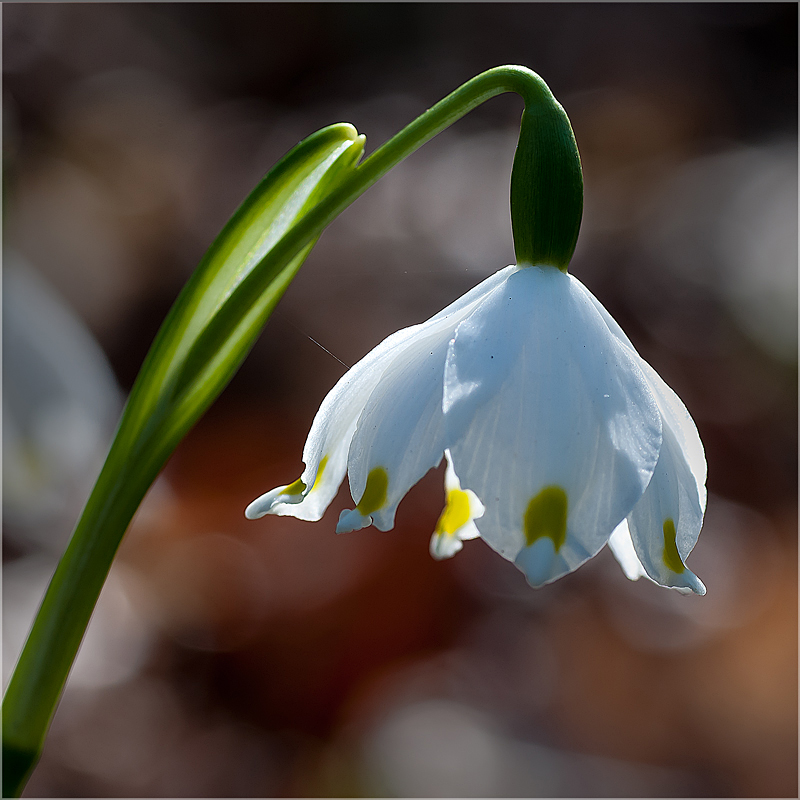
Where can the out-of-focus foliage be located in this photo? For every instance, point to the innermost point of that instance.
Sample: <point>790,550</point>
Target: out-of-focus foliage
<point>233,658</point>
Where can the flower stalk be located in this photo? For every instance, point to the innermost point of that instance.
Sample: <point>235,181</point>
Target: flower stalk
<point>215,322</point>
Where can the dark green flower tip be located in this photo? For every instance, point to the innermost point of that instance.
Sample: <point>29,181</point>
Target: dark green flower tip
<point>546,185</point>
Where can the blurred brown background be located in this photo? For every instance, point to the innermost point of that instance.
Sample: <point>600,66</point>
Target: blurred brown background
<point>235,658</point>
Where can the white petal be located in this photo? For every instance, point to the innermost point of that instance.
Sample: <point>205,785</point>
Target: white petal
<point>476,293</point>
<point>675,417</point>
<point>456,521</point>
<point>400,429</point>
<point>399,435</point>
<point>678,487</point>
<point>328,442</point>
<point>326,449</point>
<point>443,547</point>
<point>273,502</point>
<point>541,401</point>
<point>351,519</point>
<point>623,550</point>
<point>665,523</point>
<point>673,411</point>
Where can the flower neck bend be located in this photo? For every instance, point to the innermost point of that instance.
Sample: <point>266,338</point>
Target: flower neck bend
<point>546,179</point>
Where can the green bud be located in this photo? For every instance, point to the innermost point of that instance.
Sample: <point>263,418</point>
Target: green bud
<point>546,185</point>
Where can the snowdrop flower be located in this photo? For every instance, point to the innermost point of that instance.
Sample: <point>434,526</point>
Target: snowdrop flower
<point>559,438</point>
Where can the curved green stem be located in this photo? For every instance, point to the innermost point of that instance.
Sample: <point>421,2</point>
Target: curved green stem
<point>546,177</point>
<point>197,351</point>
<point>546,140</point>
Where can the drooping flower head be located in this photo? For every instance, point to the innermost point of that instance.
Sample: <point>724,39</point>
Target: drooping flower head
<point>559,438</point>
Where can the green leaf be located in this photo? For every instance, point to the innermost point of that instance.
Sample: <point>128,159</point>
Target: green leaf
<point>203,340</point>
<point>218,315</point>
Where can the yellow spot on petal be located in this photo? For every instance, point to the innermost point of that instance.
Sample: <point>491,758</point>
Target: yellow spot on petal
<point>374,495</point>
<point>298,487</point>
<point>320,470</point>
<point>455,513</point>
<point>672,557</point>
<point>546,515</point>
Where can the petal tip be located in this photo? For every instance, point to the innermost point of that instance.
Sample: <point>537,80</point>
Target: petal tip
<point>263,505</point>
<point>444,546</point>
<point>685,582</point>
<point>277,502</point>
<point>692,584</point>
<point>253,511</point>
<point>352,520</point>
<point>539,562</point>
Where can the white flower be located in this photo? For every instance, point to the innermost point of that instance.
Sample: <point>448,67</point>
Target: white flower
<point>559,438</point>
